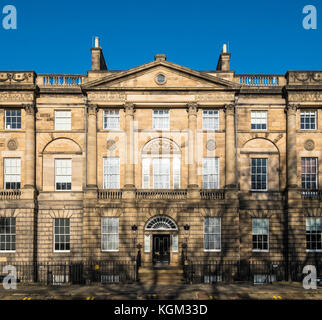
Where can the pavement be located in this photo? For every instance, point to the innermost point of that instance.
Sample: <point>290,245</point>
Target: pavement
<point>137,291</point>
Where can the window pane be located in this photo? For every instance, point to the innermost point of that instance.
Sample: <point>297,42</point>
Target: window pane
<point>111,173</point>
<point>109,239</point>
<point>62,120</point>
<point>212,233</point>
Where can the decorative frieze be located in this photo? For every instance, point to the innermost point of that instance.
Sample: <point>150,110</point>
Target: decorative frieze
<point>15,97</point>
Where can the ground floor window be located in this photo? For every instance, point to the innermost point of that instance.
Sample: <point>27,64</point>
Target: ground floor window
<point>7,234</point>
<point>61,234</point>
<point>110,234</point>
<point>212,234</point>
<point>260,234</point>
<point>314,234</point>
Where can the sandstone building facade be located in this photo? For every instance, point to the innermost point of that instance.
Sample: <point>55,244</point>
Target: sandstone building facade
<point>211,164</point>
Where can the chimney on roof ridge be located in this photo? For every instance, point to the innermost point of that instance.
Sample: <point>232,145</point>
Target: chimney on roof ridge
<point>98,61</point>
<point>160,57</point>
<point>224,60</point>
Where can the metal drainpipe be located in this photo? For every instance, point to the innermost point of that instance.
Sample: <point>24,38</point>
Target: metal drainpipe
<point>236,159</point>
<point>85,127</point>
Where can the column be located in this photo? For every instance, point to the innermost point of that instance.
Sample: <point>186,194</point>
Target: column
<point>291,146</point>
<point>92,147</point>
<point>192,164</point>
<point>129,166</point>
<point>230,156</point>
<point>30,148</point>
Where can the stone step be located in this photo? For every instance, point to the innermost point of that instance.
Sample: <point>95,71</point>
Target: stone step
<point>161,275</point>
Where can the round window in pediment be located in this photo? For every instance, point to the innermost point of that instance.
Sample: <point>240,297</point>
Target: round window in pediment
<point>160,78</point>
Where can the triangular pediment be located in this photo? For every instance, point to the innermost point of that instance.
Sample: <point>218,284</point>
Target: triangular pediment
<point>145,76</point>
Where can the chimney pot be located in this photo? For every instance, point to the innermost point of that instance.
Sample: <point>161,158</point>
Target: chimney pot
<point>224,48</point>
<point>97,42</point>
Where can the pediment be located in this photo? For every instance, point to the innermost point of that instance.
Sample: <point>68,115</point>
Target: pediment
<point>145,77</point>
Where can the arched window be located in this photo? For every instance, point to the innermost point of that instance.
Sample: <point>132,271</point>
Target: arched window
<point>161,164</point>
<point>161,223</point>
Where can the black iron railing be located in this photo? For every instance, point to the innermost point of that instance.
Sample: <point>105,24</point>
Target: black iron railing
<point>248,271</point>
<point>59,273</point>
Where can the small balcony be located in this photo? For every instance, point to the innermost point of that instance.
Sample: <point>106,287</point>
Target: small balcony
<point>110,194</point>
<point>311,194</point>
<point>161,194</point>
<point>10,194</point>
<point>215,194</point>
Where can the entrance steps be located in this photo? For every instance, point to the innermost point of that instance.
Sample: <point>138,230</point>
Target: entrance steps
<point>161,275</point>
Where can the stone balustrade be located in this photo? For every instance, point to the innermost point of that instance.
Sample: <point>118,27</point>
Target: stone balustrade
<point>161,194</point>
<point>10,194</point>
<point>109,194</point>
<point>60,80</point>
<point>311,194</point>
<point>261,80</point>
<point>212,194</point>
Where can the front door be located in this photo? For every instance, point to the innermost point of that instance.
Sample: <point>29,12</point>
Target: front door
<point>161,249</point>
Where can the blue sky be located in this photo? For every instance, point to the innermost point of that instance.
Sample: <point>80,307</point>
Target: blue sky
<point>264,36</point>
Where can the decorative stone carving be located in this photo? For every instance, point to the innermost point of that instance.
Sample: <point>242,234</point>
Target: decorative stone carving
<point>92,109</point>
<point>230,108</point>
<point>30,109</point>
<point>309,145</point>
<point>306,96</point>
<point>16,77</point>
<point>291,108</point>
<point>111,145</point>
<point>161,146</point>
<point>129,108</point>
<point>16,97</point>
<point>110,96</point>
<point>211,145</point>
<point>12,144</point>
<point>305,77</point>
<point>192,108</point>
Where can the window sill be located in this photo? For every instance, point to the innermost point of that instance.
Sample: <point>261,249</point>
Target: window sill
<point>264,251</point>
<point>252,190</point>
<point>7,251</point>
<point>109,250</point>
<point>62,251</point>
<point>318,250</point>
<point>214,250</point>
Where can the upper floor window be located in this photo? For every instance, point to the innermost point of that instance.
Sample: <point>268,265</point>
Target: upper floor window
<point>309,173</point>
<point>308,120</point>
<point>161,173</point>
<point>61,234</point>
<point>63,174</point>
<point>210,120</point>
<point>7,234</point>
<point>259,120</point>
<point>210,173</point>
<point>110,234</point>
<point>111,119</point>
<point>260,228</point>
<point>161,119</point>
<point>111,173</point>
<point>12,172</point>
<point>212,234</point>
<point>63,120</point>
<point>13,119</point>
<point>314,234</point>
<point>259,174</point>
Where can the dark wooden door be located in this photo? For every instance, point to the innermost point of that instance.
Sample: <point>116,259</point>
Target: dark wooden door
<point>161,249</point>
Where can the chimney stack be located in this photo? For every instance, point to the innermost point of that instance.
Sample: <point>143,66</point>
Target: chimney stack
<point>98,61</point>
<point>224,60</point>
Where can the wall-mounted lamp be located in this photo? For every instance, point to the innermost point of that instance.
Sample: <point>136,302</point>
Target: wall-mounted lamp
<point>186,227</point>
<point>134,228</point>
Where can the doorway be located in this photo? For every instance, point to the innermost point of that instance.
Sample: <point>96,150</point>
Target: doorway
<point>161,249</point>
